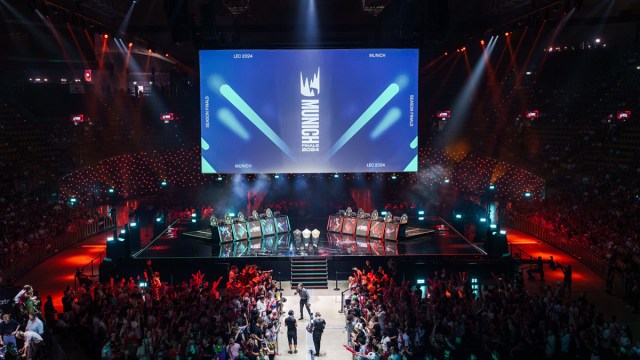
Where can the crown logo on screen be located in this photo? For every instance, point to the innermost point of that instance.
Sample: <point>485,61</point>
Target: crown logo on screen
<point>307,86</point>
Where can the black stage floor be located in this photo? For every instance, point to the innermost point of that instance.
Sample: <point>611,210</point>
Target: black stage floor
<point>430,237</point>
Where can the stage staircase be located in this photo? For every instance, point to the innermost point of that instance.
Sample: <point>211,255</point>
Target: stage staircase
<point>313,273</point>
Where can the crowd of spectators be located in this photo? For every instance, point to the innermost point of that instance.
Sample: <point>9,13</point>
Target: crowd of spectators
<point>28,221</point>
<point>198,319</point>
<point>388,319</point>
<point>599,215</point>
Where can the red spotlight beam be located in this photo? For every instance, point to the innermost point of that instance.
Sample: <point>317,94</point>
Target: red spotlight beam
<point>434,61</point>
<point>533,47</point>
<point>442,64</point>
<point>77,44</point>
<point>466,61</point>
<point>556,31</point>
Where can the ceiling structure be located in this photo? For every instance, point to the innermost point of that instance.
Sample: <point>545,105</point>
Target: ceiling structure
<point>181,27</point>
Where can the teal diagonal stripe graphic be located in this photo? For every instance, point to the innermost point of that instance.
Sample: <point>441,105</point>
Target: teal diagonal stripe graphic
<point>413,165</point>
<point>247,111</point>
<point>206,167</point>
<point>414,143</point>
<point>366,116</point>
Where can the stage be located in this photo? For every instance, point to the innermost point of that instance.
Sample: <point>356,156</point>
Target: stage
<point>422,239</point>
<point>185,248</point>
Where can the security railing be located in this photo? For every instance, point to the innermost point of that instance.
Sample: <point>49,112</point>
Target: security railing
<point>49,247</point>
<point>595,262</point>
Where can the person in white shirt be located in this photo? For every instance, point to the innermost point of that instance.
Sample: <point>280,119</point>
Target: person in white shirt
<point>35,324</point>
<point>32,344</point>
<point>261,305</point>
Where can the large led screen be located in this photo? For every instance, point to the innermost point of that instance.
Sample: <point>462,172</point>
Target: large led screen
<point>309,111</point>
<point>268,226</point>
<point>362,227</point>
<point>254,229</point>
<point>282,224</point>
<point>377,229</point>
<point>335,223</point>
<point>226,233</point>
<point>240,231</point>
<point>349,226</point>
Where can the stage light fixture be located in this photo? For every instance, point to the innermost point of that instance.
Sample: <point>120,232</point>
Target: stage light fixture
<point>503,232</point>
<point>420,281</point>
<point>130,44</point>
<point>193,215</point>
<point>111,191</point>
<point>492,187</point>
<point>493,226</point>
<point>481,42</point>
<point>421,218</point>
<point>527,194</point>
<point>297,233</point>
<point>458,216</point>
<point>123,231</point>
<point>73,200</point>
<point>446,181</point>
<point>598,41</point>
<point>163,183</point>
<point>306,233</point>
<point>420,212</point>
<point>219,178</point>
<point>133,224</point>
<point>109,238</point>
<point>315,233</point>
<point>336,176</point>
<point>393,177</point>
<point>194,220</point>
<point>483,220</point>
<point>276,176</point>
<point>158,219</point>
<point>383,213</point>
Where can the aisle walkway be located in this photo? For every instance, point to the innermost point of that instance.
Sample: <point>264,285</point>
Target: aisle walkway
<point>56,273</point>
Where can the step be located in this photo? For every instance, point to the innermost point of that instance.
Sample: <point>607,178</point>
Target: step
<point>308,265</point>
<point>313,273</point>
<point>309,270</point>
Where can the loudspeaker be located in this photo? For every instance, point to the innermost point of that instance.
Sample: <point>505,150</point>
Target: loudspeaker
<point>107,269</point>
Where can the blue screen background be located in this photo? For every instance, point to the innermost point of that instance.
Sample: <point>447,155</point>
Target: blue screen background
<point>251,110</point>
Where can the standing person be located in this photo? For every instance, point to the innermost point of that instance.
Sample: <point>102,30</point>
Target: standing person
<point>50,311</point>
<point>8,328</point>
<point>35,324</point>
<point>568,273</point>
<point>304,300</point>
<point>317,327</point>
<point>292,332</point>
<point>148,272</point>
